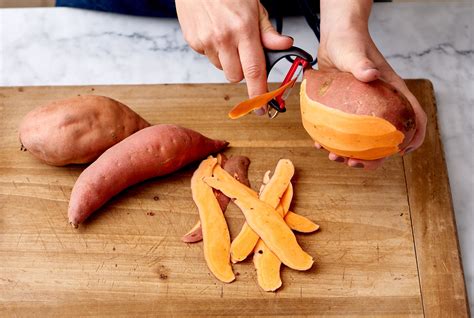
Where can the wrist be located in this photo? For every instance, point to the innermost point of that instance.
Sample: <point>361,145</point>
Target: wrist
<point>345,15</point>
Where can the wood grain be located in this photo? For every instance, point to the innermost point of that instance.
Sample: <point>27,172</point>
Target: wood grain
<point>127,261</point>
<point>434,226</point>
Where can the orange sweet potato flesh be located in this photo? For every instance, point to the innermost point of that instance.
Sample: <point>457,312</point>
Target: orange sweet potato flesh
<point>300,223</point>
<point>266,222</point>
<point>215,232</point>
<point>257,102</point>
<point>151,152</point>
<point>236,166</point>
<point>243,245</point>
<point>266,263</point>
<point>195,233</point>
<point>77,130</point>
<point>364,137</point>
<point>352,117</point>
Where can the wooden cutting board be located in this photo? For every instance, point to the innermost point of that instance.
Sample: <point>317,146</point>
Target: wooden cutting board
<point>387,244</point>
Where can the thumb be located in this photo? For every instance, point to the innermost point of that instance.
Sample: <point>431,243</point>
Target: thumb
<point>270,38</point>
<point>360,66</point>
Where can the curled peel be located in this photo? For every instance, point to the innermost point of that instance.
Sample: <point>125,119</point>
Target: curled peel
<point>257,102</point>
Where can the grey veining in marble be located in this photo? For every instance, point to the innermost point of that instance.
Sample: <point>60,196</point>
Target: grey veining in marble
<point>59,46</point>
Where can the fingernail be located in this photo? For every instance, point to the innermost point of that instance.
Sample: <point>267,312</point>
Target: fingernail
<point>368,68</point>
<point>259,112</point>
<point>291,37</point>
<point>358,165</point>
<point>339,159</point>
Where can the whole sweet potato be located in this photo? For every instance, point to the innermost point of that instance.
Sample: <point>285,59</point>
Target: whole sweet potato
<point>78,129</point>
<point>151,152</point>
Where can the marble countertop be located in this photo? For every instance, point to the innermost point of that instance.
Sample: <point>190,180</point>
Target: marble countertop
<point>62,46</point>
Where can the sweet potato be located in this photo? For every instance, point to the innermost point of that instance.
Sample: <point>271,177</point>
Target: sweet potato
<point>214,227</point>
<point>78,129</point>
<point>151,152</point>
<point>236,166</point>
<point>265,221</point>
<point>355,119</point>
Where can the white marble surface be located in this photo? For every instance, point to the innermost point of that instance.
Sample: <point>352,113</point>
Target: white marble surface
<point>60,46</point>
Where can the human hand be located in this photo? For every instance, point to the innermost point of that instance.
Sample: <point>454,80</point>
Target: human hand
<point>232,34</point>
<point>347,46</point>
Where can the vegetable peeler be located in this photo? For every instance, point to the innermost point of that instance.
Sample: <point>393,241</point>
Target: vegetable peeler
<point>302,58</point>
<point>302,61</point>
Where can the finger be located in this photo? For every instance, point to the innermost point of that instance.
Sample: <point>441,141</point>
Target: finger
<point>363,68</point>
<point>333,157</point>
<point>359,62</point>
<point>230,61</point>
<point>270,38</point>
<point>421,121</point>
<point>367,164</point>
<point>253,66</point>
<point>389,75</point>
<point>261,111</point>
<point>213,58</point>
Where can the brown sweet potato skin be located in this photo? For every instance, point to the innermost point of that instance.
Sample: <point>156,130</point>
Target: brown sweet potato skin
<point>221,198</point>
<point>238,167</point>
<point>151,152</point>
<point>77,130</point>
<point>344,92</point>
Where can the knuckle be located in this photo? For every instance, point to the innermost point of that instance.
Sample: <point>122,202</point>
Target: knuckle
<point>207,42</point>
<point>192,41</point>
<point>196,46</point>
<point>253,71</point>
<point>242,25</point>
<point>223,37</point>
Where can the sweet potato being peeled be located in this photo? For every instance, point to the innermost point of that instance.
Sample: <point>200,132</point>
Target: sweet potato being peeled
<point>77,130</point>
<point>355,119</point>
<point>151,152</point>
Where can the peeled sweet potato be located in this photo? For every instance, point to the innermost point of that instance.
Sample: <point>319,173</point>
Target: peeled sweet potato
<point>151,152</point>
<point>78,129</point>
<point>355,119</point>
